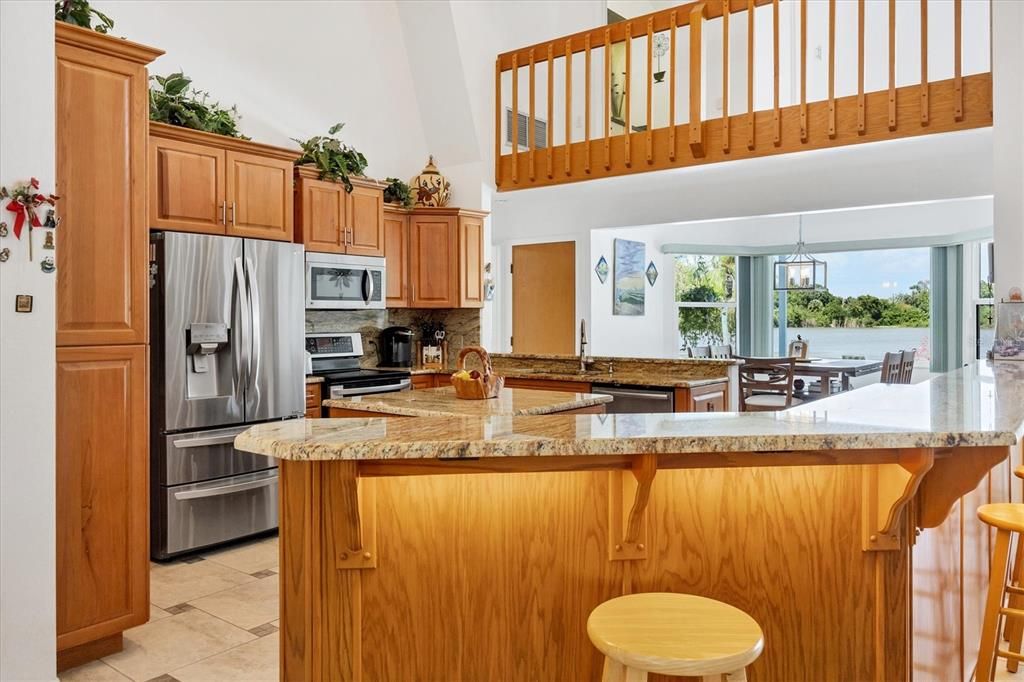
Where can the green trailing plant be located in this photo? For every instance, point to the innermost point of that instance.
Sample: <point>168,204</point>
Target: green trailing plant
<point>80,13</point>
<point>397,192</point>
<point>335,159</point>
<point>172,100</point>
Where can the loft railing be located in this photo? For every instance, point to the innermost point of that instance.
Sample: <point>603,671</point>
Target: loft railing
<point>598,128</point>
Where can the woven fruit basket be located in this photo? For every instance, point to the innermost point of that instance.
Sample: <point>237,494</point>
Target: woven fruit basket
<point>476,385</point>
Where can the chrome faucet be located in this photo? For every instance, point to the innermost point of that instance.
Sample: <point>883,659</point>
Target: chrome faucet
<point>583,345</point>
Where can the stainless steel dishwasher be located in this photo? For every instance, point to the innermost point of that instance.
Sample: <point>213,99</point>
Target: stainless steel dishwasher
<point>636,399</point>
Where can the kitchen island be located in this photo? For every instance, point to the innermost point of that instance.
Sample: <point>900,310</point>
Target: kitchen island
<point>442,402</point>
<point>846,528</point>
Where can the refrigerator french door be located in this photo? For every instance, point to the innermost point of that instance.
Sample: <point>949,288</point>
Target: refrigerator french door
<point>227,323</point>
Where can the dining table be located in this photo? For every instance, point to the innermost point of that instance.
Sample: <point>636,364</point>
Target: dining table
<point>842,369</point>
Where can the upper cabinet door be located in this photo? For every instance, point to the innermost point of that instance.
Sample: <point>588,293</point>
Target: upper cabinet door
<point>321,215</point>
<point>471,262</point>
<point>260,197</point>
<point>396,255</point>
<point>102,122</point>
<point>186,187</point>
<point>365,220</point>
<point>433,250</point>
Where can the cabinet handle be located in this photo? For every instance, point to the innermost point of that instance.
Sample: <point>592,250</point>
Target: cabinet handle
<point>232,214</point>
<point>224,213</point>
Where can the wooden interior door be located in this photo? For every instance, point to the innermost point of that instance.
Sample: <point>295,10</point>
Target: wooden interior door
<point>433,250</point>
<point>260,197</point>
<point>186,187</point>
<point>321,215</point>
<point>102,492</point>
<point>396,255</point>
<point>544,298</point>
<point>102,124</point>
<point>365,219</point>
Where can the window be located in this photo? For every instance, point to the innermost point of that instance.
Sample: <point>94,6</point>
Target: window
<point>984,302</point>
<point>706,300</point>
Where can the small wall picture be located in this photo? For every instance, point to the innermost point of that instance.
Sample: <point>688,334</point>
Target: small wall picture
<point>1009,344</point>
<point>628,295</point>
<point>23,303</point>
<point>602,269</point>
<point>652,273</point>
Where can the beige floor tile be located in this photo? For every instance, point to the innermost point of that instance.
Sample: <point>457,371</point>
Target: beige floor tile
<point>246,606</point>
<point>255,661</point>
<point>172,584</point>
<point>248,558</point>
<point>276,623</point>
<point>164,645</point>
<point>156,613</point>
<point>94,671</point>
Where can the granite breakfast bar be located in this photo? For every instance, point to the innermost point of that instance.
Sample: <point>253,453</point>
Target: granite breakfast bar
<point>845,527</point>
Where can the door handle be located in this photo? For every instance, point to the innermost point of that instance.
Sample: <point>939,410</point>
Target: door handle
<point>205,441</point>
<point>225,489</point>
<point>232,214</point>
<point>257,323</point>
<point>242,341</point>
<point>224,213</point>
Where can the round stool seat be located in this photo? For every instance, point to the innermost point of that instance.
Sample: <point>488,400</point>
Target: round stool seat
<point>1019,471</point>
<point>675,634</point>
<point>1006,515</point>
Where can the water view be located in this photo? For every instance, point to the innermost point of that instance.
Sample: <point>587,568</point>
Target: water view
<point>871,343</point>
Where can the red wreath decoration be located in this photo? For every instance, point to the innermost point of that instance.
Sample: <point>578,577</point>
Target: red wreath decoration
<point>25,199</point>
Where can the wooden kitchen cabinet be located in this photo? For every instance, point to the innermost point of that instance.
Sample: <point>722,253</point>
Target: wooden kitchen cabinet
<point>213,184</point>
<point>331,220</point>
<point>102,488</point>
<point>314,401</point>
<point>396,256</point>
<point>445,260</point>
<point>424,381</point>
<point>101,124</point>
<point>471,261</point>
<point>708,398</point>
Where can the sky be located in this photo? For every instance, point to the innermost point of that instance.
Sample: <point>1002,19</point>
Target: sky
<point>880,273</point>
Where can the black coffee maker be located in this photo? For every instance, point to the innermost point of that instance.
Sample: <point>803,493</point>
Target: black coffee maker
<point>395,347</point>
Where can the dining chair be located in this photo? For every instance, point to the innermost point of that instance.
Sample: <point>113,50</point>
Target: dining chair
<point>723,352</point>
<point>766,384</point>
<point>907,366</point>
<point>700,351</point>
<point>898,367</point>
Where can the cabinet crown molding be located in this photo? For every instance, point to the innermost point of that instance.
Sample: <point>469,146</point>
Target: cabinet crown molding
<point>311,172</point>
<point>87,39</point>
<point>434,211</point>
<point>181,134</point>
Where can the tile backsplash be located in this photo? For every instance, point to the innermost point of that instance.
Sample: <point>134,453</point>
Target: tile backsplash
<point>462,326</point>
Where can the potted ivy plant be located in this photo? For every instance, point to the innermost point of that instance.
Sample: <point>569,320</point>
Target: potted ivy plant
<point>333,158</point>
<point>172,100</point>
<point>80,13</point>
<point>398,192</point>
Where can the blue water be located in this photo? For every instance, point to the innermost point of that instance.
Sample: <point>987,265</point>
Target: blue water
<point>871,343</point>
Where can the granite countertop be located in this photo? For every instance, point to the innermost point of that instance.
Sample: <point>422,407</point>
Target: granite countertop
<point>625,378</point>
<point>442,402</point>
<point>978,405</point>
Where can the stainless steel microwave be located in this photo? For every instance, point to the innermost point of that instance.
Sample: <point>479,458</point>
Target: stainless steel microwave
<point>340,282</point>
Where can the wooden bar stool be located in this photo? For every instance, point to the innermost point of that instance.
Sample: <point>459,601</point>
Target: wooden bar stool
<point>1007,518</point>
<point>1013,628</point>
<point>673,634</point>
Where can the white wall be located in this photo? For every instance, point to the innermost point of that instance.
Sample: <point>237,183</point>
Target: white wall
<point>1008,137</point>
<point>27,555</point>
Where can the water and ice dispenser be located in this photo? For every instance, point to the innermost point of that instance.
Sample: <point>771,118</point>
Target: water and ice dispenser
<point>208,366</point>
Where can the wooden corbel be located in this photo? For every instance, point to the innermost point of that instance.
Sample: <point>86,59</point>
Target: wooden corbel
<point>628,495</point>
<point>885,491</point>
<point>353,519</point>
<point>956,473</point>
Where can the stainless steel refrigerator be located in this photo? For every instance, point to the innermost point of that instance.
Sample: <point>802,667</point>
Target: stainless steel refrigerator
<point>226,334</point>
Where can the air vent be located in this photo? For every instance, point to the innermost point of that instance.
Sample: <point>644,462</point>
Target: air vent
<point>540,130</point>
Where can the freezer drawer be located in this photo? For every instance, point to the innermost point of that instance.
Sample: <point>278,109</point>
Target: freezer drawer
<point>212,512</point>
<point>202,455</point>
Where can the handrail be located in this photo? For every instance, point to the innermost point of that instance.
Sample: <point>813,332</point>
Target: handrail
<point>957,103</point>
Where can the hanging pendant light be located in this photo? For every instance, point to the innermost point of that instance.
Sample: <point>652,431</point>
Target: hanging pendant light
<point>801,271</point>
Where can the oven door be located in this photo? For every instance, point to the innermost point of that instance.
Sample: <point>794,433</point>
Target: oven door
<point>350,283</point>
<point>369,387</point>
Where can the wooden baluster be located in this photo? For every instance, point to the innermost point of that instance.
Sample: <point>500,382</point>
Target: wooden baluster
<point>672,86</point>
<point>803,70</point>
<point>568,107</point>
<point>696,124</point>
<point>958,79</point>
<point>650,87</point>
<point>497,121</point>
<point>515,118</point>
<point>607,99</point>
<point>832,68</point>
<point>776,114</point>
<point>892,64</point>
<point>551,110</point>
<point>586,103</point>
<point>628,89</point>
<point>531,132</point>
<point>725,75</point>
<point>924,62</point>
<point>750,74</point>
<point>861,113</point>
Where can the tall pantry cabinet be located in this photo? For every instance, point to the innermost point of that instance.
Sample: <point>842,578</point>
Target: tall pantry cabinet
<point>102,391</point>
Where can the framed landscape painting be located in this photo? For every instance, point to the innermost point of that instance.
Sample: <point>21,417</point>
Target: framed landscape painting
<point>629,278</point>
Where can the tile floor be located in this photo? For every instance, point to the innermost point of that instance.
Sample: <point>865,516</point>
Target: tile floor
<point>213,618</point>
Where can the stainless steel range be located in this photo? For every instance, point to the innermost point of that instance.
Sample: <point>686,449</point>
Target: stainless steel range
<point>336,358</point>
<point>226,333</point>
